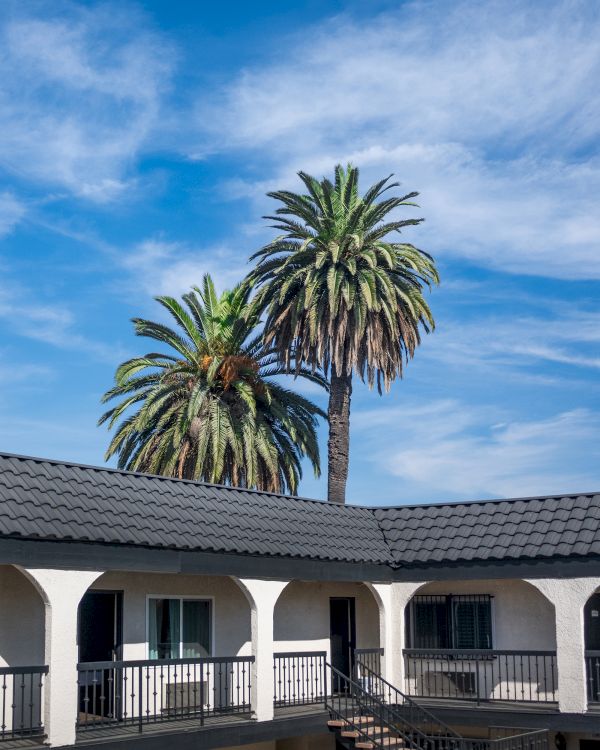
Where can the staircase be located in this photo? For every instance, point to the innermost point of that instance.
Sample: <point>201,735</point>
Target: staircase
<point>369,713</point>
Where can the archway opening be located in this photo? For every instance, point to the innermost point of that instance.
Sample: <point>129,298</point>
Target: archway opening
<point>163,646</point>
<point>22,645</point>
<point>481,641</point>
<point>315,623</point>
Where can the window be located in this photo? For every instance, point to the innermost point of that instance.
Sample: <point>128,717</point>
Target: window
<point>463,621</point>
<point>179,628</point>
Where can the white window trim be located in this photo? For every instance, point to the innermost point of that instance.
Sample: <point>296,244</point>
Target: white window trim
<point>181,598</point>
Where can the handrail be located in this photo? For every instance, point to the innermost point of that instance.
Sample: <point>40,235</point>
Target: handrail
<point>405,699</point>
<point>89,666</point>
<point>475,652</point>
<point>369,651</point>
<point>411,734</point>
<point>25,670</point>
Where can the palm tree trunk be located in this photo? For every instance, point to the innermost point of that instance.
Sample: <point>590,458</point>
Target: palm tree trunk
<point>338,447</point>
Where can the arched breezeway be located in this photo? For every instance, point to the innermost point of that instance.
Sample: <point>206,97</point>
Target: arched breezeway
<point>480,641</point>
<point>22,657</point>
<point>157,647</point>
<point>319,622</point>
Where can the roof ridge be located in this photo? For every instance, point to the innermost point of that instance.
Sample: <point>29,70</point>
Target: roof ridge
<point>177,480</point>
<point>372,508</point>
<point>486,501</point>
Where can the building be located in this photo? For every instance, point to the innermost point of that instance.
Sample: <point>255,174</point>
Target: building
<point>145,610</point>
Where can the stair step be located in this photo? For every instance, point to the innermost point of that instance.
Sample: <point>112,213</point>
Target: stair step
<point>376,730</point>
<point>391,741</point>
<point>364,745</point>
<point>336,723</point>
<point>350,733</point>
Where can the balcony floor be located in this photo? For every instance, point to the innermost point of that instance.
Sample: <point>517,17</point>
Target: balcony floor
<point>520,706</point>
<point>101,734</point>
<point>120,731</point>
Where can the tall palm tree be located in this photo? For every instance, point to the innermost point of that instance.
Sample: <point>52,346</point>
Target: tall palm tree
<point>211,409</point>
<point>341,295</point>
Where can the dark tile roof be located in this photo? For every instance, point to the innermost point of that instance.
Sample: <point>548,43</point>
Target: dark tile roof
<point>45,499</point>
<point>528,528</point>
<point>54,500</point>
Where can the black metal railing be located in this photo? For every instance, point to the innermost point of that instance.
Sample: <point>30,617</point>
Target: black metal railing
<point>370,718</point>
<point>151,691</point>
<point>369,658</point>
<point>482,675</point>
<point>410,712</point>
<point>384,717</point>
<point>21,691</point>
<point>299,678</point>
<point>512,740</point>
<point>592,669</point>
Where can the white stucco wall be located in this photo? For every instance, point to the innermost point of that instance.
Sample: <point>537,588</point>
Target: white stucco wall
<point>22,620</point>
<point>301,620</point>
<point>231,610</point>
<point>569,596</point>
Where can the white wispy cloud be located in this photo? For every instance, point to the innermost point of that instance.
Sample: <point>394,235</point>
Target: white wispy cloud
<point>447,449</point>
<point>157,266</point>
<point>82,90</point>
<point>474,104</point>
<point>50,323</point>
<point>513,342</point>
<point>11,212</point>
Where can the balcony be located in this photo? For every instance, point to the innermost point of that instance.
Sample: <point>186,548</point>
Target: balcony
<point>592,670</point>
<point>482,676</point>
<point>21,701</point>
<point>137,695</point>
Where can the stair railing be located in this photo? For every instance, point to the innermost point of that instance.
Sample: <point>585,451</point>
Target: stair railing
<point>405,707</point>
<point>367,715</point>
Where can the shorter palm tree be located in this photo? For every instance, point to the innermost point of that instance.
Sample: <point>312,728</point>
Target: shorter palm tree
<point>212,411</point>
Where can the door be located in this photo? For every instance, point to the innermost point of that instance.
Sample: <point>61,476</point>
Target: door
<point>100,640</point>
<point>342,635</point>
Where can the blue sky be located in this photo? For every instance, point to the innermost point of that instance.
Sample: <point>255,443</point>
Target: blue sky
<point>137,142</point>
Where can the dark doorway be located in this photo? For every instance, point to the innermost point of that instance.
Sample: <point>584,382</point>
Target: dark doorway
<point>100,638</point>
<point>591,615</point>
<point>342,631</point>
<point>589,744</point>
<point>591,624</point>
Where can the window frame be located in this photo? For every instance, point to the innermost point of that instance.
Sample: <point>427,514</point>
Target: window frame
<point>181,598</point>
<point>449,601</point>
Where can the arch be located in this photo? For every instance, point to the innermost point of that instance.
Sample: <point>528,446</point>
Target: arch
<point>22,625</point>
<point>503,616</point>
<point>301,614</point>
<point>524,617</point>
<point>246,591</point>
<point>231,608</point>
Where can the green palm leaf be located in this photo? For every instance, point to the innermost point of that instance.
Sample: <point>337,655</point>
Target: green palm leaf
<point>340,294</point>
<point>213,411</point>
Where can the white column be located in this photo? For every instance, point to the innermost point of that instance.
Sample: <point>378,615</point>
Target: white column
<point>62,591</point>
<point>395,596</point>
<point>569,596</point>
<point>262,596</point>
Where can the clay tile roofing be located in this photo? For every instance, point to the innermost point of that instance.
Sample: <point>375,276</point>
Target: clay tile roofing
<point>54,500</point>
